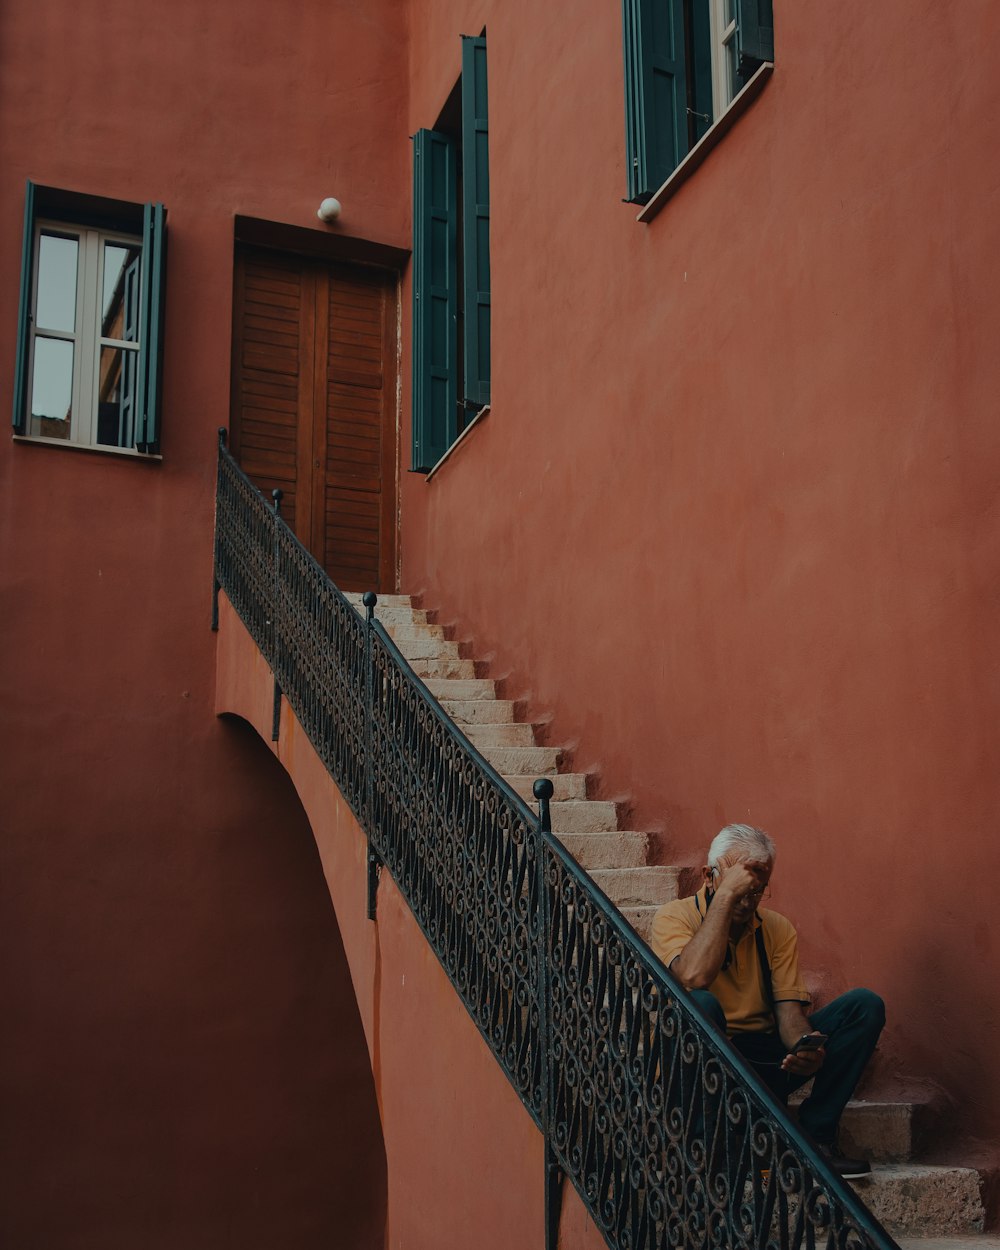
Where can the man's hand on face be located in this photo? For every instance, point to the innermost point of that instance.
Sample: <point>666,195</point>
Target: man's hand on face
<point>805,1062</point>
<point>741,879</point>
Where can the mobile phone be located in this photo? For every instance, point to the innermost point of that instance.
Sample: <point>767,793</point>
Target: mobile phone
<point>810,1041</point>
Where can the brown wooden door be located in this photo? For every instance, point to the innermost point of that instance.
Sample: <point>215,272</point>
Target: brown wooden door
<point>314,360</point>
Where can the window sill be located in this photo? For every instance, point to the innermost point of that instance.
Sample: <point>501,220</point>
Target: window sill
<point>128,453</point>
<point>708,141</point>
<point>480,415</point>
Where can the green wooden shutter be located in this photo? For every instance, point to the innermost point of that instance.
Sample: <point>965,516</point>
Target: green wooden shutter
<point>153,290</point>
<point>754,31</point>
<point>475,222</point>
<point>23,354</point>
<point>656,130</point>
<point>435,298</point>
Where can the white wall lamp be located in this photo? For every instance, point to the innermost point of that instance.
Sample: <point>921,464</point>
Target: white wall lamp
<point>329,209</point>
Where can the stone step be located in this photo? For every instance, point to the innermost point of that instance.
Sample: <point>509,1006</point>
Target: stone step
<point>885,1132</point>
<point>448,667</point>
<point>620,849</point>
<point>517,761</point>
<point>407,631</point>
<point>425,648</point>
<point>479,711</point>
<point>565,786</point>
<point>461,688</point>
<point>981,1241</point>
<point>593,816</point>
<point>641,918</point>
<point>515,734</point>
<point>924,1200</point>
<point>396,601</point>
<point>638,887</point>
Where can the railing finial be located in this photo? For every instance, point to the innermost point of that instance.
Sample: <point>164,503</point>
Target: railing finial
<point>543,790</point>
<point>369,599</point>
<point>277,495</point>
<point>223,435</point>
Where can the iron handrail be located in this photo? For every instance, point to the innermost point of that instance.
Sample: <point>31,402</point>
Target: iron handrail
<point>666,1132</point>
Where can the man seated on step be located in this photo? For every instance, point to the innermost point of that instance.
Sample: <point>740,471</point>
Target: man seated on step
<point>740,963</point>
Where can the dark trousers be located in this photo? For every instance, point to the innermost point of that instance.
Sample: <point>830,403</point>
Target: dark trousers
<point>853,1022</point>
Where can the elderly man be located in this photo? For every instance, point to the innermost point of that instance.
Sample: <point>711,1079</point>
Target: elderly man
<point>740,963</point>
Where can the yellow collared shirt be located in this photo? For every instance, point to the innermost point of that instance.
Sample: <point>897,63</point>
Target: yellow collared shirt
<point>740,988</point>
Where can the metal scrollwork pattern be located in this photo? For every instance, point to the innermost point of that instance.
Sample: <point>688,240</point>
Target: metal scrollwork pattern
<point>668,1138</point>
<point>671,1140</point>
<point>462,849</point>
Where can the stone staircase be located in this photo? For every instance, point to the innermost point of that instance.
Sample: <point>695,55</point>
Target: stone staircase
<point>929,1206</point>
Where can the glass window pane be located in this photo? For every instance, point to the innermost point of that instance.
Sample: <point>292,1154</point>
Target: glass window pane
<point>116,396</point>
<point>52,388</point>
<point>120,298</point>
<point>55,308</point>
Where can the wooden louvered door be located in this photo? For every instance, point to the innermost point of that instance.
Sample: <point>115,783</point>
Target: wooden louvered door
<point>314,359</point>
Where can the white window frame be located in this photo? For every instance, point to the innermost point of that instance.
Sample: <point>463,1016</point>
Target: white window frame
<point>723,27</point>
<point>86,337</point>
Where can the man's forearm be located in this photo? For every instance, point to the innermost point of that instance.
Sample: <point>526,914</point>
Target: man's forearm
<point>698,964</point>
<point>792,1022</point>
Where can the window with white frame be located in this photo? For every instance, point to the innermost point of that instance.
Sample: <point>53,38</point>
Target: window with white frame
<point>89,348</point>
<point>685,63</point>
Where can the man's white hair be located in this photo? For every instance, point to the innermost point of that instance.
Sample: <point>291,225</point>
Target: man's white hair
<point>745,840</point>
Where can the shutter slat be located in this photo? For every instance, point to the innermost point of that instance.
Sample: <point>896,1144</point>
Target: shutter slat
<point>24,314</point>
<point>476,221</point>
<point>655,93</point>
<point>435,298</point>
<point>154,256</point>
<point>754,33</point>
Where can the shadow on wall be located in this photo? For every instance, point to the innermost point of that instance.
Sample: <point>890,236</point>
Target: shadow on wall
<point>187,1064</point>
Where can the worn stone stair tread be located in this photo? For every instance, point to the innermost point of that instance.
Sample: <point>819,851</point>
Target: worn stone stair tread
<point>616,849</point>
<point>512,734</point>
<point>978,1241</point>
<point>648,885</point>
<point>464,688</point>
<point>883,1130</point>
<point>446,667</point>
<point>565,785</point>
<point>521,760</point>
<point>425,648</point>
<point>410,631</point>
<point>915,1198</point>
<point>479,711</point>
<point>586,816</point>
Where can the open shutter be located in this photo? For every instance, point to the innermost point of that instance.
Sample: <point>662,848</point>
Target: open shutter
<point>23,353</point>
<point>435,298</point>
<point>754,31</point>
<point>476,222</point>
<point>151,296</point>
<point>656,132</point>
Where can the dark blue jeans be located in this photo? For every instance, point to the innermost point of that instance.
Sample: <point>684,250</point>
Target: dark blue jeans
<point>853,1022</point>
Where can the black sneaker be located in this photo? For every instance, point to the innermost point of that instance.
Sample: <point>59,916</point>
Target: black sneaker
<point>847,1169</point>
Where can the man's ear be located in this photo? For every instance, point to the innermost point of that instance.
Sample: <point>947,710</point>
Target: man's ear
<point>708,875</point>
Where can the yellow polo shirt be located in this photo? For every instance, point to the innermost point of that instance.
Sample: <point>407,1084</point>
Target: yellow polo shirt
<point>740,989</point>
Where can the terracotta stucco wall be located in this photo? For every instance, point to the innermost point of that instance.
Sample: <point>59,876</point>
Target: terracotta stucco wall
<point>177,1009</point>
<point>732,522</point>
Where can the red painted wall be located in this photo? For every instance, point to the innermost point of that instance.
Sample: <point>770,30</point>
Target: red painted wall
<point>181,1044</point>
<point>731,525</point>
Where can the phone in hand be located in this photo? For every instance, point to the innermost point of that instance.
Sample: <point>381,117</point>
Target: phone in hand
<point>810,1041</point>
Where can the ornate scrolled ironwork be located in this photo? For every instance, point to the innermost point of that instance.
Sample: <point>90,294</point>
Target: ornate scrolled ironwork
<point>668,1136</point>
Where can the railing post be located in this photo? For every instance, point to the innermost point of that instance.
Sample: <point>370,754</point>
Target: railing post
<point>215,550</point>
<point>277,495</point>
<point>543,791</point>
<point>370,599</point>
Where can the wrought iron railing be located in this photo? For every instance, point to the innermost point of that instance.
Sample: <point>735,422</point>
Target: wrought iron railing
<point>669,1137</point>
